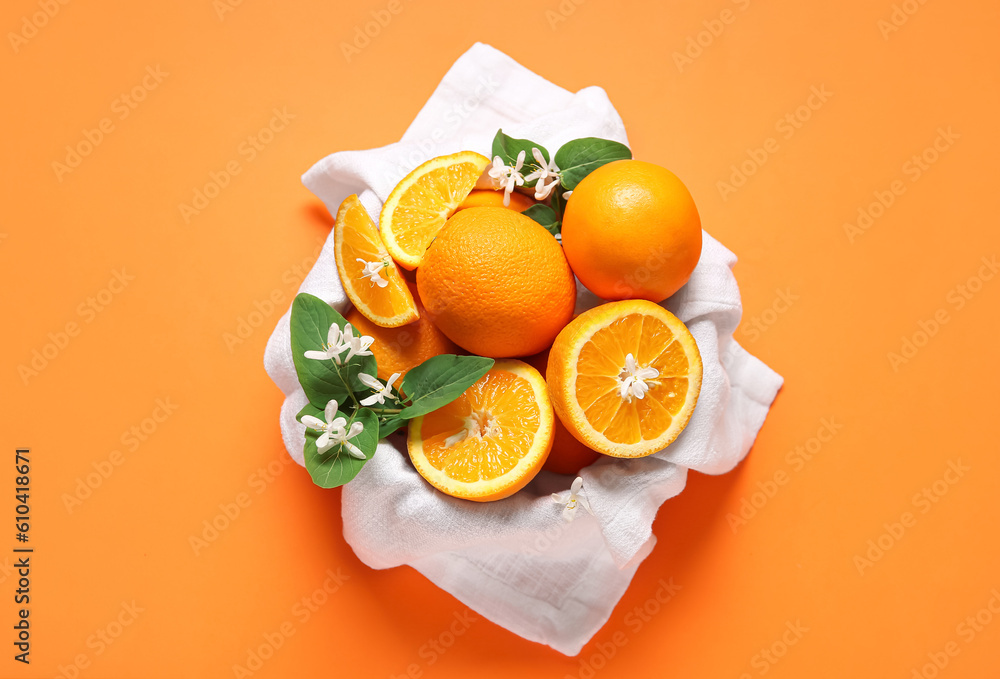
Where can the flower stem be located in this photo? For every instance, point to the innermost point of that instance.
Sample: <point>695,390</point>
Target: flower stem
<point>345,376</point>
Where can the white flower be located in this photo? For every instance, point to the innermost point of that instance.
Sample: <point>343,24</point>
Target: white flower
<point>333,347</point>
<point>506,177</point>
<point>381,391</point>
<point>542,190</point>
<point>356,346</point>
<point>373,270</point>
<point>334,432</point>
<point>342,436</point>
<point>547,175</point>
<point>573,501</point>
<point>338,342</point>
<point>328,424</point>
<point>631,380</point>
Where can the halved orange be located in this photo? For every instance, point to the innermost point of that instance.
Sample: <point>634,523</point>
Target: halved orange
<point>420,204</point>
<point>624,377</point>
<point>489,442</point>
<point>494,198</point>
<point>370,278</point>
<point>568,455</point>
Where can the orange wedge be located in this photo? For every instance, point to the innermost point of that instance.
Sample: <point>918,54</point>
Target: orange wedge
<point>370,278</point>
<point>489,442</point>
<point>624,377</point>
<point>420,204</point>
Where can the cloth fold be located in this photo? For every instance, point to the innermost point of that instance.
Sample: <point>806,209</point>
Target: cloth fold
<point>515,561</point>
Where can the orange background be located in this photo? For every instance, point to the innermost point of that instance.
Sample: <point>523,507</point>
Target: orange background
<point>164,335</point>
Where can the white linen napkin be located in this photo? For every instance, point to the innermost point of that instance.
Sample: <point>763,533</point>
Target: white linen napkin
<point>516,561</point>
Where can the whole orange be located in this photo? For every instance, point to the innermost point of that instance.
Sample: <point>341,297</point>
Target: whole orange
<point>496,283</point>
<point>494,198</point>
<point>397,350</point>
<point>631,231</point>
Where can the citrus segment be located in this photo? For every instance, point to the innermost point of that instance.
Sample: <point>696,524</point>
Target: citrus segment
<point>420,204</point>
<point>370,278</point>
<point>625,377</point>
<point>489,442</point>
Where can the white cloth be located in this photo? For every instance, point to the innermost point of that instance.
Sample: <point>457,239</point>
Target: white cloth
<point>516,561</point>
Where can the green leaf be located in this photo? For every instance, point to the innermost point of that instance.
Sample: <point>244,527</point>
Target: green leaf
<point>391,424</point>
<point>578,158</point>
<point>440,380</point>
<point>557,201</point>
<point>336,466</point>
<point>323,380</point>
<point>389,417</point>
<point>545,216</point>
<point>310,409</point>
<point>508,148</point>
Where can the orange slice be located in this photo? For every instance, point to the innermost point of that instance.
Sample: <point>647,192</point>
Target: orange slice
<point>489,442</point>
<point>383,298</point>
<point>420,204</point>
<point>624,377</point>
<point>492,198</point>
